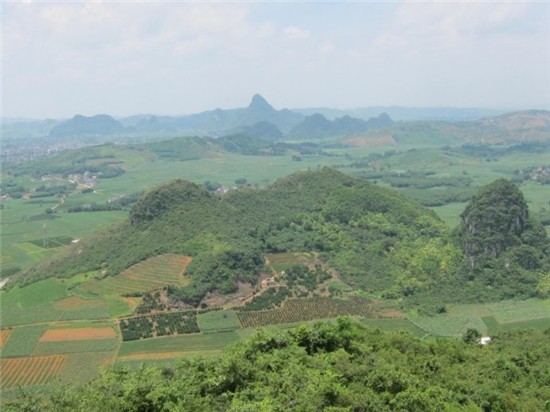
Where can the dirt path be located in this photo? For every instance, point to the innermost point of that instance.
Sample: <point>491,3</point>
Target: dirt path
<point>3,282</point>
<point>60,203</point>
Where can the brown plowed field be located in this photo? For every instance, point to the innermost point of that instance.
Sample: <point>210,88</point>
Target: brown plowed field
<point>4,334</point>
<point>29,371</point>
<point>76,303</point>
<point>58,335</point>
<point>147,356</point>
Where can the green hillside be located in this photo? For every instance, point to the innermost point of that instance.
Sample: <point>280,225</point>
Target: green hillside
<point>357,226</point>
<point>376,239</point>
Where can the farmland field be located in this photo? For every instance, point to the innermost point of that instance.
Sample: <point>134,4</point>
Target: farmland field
<point>57,335</point>
<point>489,317</point>
<point>22,340</point>
<point>4,335</point>
<point>282,261</point>
<point>298,310</point>
<point>218,320</point>
<point>75,346</point>
<point>47,300</point>
<point>450,325</point>
<point>178,345</point>
<point>153,273</point>
<point>81,367</point>
<point>29,371</point>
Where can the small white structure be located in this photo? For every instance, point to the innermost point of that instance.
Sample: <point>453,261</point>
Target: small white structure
<point>485,340</point>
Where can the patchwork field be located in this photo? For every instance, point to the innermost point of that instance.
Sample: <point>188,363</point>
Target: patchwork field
<point>488,318</point>
<point>151,274</point>
<point>48,300</point>
<point>29,371</point>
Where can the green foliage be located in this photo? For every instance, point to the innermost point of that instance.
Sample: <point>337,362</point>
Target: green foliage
<point>507,250</point>
<point>338,366</point>
<point>164,197</point>
<point>269,299</point>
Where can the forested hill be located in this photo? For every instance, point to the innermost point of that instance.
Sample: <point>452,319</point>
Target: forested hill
<point>376,239</point>
<point>359,227</point>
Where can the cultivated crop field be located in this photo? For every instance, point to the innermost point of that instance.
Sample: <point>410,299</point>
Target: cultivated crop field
<point>449,325</point>
<point>29,371</point>
<point>151,274</point>
<point>47,300</point>
<point>81,367</point>
<point>301,310</point>
<point>22,340</point>
<point>176,346</point>
<point>282,261</point>
<point>488,318</point>
<point>218,320</point>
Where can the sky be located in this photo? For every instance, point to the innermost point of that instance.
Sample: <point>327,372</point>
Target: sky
<point>173,58</point>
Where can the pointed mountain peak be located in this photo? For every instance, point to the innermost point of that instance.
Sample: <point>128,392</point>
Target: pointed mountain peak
<point>259,103</point>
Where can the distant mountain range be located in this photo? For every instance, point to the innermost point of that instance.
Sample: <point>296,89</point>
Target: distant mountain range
<point>81,125</point>
<point>260,120</point>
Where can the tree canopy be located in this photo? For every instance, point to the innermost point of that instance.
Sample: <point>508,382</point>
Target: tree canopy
<point>340,366</point>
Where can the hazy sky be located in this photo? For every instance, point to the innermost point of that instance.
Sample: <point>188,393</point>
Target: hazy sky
<point>123,58</point>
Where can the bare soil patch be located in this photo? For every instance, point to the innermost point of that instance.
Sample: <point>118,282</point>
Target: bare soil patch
<point>58,335</point>
<point>147,356</point>
<point>76,303</point>
<point>363,141</point>
<point>4,334</point>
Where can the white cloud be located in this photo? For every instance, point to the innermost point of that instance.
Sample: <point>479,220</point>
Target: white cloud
<point>295,33</point>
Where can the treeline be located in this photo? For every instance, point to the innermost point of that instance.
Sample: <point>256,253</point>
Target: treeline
<point>118,204</point>
<point>341,366</point>
<point>96,160</point>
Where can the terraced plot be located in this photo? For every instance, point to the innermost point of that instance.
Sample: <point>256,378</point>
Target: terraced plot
<point>151,274</point>
<point>29,371</point>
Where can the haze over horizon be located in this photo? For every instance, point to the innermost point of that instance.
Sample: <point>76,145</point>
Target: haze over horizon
<point>60,59</point>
